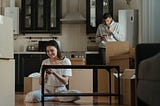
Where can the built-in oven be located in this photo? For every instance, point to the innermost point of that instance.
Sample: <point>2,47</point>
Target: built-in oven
<point>92,58</point>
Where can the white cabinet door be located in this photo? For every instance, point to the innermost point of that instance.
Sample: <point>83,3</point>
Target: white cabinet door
<point>7,81</point>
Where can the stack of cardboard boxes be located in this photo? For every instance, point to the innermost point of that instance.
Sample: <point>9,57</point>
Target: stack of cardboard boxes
<point>119,54</point>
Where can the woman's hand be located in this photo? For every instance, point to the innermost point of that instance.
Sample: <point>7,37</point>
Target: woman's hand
<point>63,79</point>
<point>49,71</point>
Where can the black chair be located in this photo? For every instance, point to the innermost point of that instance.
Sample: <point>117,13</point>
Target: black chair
<point>144,51</point>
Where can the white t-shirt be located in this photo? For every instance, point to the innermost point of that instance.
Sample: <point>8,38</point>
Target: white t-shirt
<point>52,81</point>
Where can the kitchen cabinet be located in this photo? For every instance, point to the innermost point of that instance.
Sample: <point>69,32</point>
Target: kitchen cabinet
<point>94,13</point>
<point>40,16</point>
<point>7,92</point>
<point>25,65</point>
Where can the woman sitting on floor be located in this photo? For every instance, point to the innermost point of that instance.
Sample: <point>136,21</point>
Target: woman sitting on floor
<point>55,79</point>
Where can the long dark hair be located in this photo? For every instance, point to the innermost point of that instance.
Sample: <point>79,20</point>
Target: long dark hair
<point>55,44</point>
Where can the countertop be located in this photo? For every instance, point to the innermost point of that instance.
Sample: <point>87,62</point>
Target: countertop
<point>29,53</point>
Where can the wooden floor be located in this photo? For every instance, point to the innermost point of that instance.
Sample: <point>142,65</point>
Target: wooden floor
<point>84,101</point>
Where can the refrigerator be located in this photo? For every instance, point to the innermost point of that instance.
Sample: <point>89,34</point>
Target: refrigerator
<point>7,62</point>
<point>128,20</point>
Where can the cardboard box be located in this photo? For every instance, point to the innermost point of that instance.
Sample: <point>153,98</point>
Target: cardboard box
<point>77,61</point>
<point>127,87</point>
<point>118,53</point>
<point>120,60</point>
<point>116,49</point>
<point>31,83</point>
<point>79,76</point>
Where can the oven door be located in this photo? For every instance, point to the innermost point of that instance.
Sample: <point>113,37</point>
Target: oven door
<point>92,58</point>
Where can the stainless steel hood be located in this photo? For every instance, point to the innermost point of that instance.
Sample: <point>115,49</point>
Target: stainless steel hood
<point>72,14</point>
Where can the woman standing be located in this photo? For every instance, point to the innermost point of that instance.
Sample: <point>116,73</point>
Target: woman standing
<point>55,79</point>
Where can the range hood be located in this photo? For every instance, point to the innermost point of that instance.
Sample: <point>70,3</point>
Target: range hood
<point>72,14</point>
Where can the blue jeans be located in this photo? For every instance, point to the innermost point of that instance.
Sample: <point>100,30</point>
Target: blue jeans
<point>35,96</point>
